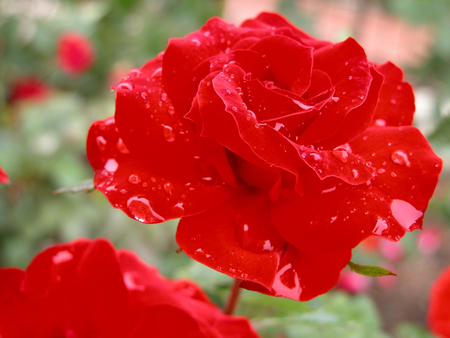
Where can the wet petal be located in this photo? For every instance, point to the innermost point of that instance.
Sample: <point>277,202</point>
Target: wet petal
<point>277,24</point>
<point>184,54</point>
<point>303,276</point>
<point>408,171</point>
<point>347,66</point>
<point>289,61</point>
<point>248,243</point>
<point>396,104</point>
<point>358,119</point>
<point>136,185</point>
<point>333,216</point>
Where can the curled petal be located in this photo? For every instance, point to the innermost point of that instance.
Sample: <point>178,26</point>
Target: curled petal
<point>396,104</point>
<point>348,68</point>
<point>290,61</point>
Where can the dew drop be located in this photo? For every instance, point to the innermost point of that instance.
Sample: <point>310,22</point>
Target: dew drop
<point>341,155</point>
<point>111,165</point>
<point>380,123</point>
<point>168,132</point>
<point>144,95</point>
<point>134,179</point>
<point>168,188</point>
<point>355,173</point>
<point>125,86</point>
<point>141,210</point>
<point>400,157</point>
<point>196,42</point>
<point>171,110</point>
<point>61,257</point>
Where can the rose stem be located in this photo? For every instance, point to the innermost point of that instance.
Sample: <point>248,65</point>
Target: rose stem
<point>233,297</point>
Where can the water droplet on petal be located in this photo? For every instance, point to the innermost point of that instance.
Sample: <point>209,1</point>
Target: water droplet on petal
<point>168,188</point>
<point>130,284</point>
<point>168,132</point>
<point>355,173</point>
<point>400,157</point>
<point>61,257</point>
<point>380,123</point>
<point>134,179</point>
<point>141,210</point>
<point>171,110</point>
<point>280,283</point>
<point>125,86</point>
<point>111,165</point>
<point>196,42</point>
<point>405,213</point>
<point>341,155</point>
<point>380,226</point>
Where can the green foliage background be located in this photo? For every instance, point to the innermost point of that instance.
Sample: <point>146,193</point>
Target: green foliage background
<point>42,147</point>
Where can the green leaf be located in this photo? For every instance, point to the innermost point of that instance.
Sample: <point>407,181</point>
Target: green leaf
<point>84,186</point>
<point>369,270</point>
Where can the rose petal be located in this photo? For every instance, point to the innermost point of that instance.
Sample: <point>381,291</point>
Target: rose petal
<point>408,171</point>
<point>290,62</point>
<point>277,24</point>
<point>302,276</point>
<point>159,320</point>
<point>348,68</point>
<point>396,104</point>
<point>135,185</point>
<point>358,119</point>
<point>184,54</point>
<point>247,239</point>
<point>333,216</point>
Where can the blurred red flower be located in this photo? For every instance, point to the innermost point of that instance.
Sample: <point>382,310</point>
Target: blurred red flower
<point>28,89</point>
<point>279,152</point>
<point>439,306</point>
<point>75,53</point>
<point>88,289</point>
<point>3,176</point>
<point>354,283</point>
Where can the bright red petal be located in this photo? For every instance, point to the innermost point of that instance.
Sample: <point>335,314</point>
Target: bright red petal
<point>136,185</point>
<point>334,216</point>
<point>302,276</point>
<point>184,54</point>
<point>396,104</point>
<point>347,66</point>
<point>248,243</point>
<point>289,61</point>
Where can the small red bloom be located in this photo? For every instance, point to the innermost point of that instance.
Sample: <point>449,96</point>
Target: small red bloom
<point>28,89</point>
<point>88,289</point>
<point>75,53</point>
<point>439,307</point>
<point>279,152</point>
<point>3,176</point>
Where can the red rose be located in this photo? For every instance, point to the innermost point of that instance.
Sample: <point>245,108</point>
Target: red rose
<point>439,308</point>
<point>75,53</point>
<point>279,152</point>
<point>28,89</point>
<point>3,176</point>
<point>87,288</point>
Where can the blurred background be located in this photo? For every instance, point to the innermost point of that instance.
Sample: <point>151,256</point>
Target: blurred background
<point>48,103</point>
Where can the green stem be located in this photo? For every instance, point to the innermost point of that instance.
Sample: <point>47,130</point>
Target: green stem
<point>233,297</point>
